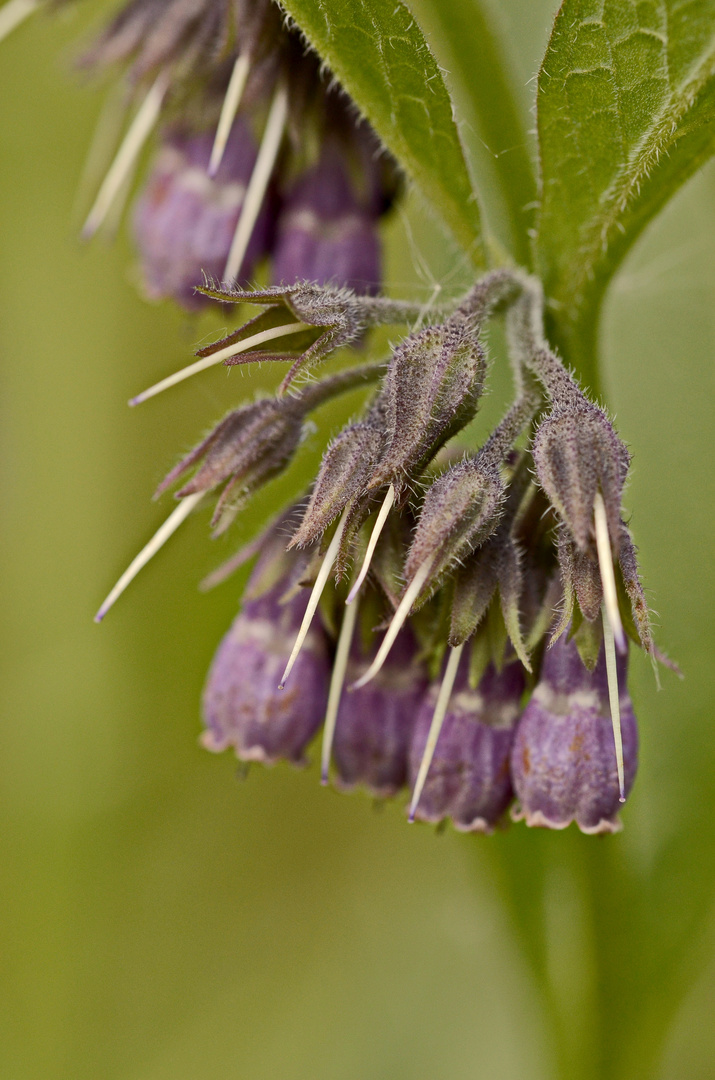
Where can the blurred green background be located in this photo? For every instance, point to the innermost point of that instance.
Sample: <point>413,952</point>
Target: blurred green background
<point>163,920</point>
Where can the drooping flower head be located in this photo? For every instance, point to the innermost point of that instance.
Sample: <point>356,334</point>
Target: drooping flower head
<point>508,569</point>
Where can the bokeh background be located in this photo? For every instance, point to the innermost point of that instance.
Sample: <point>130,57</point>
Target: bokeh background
<point>163,919</point>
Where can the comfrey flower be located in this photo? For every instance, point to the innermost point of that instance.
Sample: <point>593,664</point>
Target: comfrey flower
<point>469,778</point>
<point>243,707</point>
<point>185,218</point>
<point>261,154</point>
<point>508,569</point>
<point>563,762</point>
<point>374,726</point>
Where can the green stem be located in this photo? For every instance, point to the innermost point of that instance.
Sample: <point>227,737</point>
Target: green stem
<point>474,55</point>
<point>541,877</point>
<point>315,394</point>
<point>578,345</point>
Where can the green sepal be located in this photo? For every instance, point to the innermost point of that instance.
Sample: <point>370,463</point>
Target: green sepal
<point>587,640</point>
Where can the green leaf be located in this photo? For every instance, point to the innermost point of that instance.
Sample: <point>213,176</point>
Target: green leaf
<point>626,113</point>
<point>478,75</point>
<point>377,51</point>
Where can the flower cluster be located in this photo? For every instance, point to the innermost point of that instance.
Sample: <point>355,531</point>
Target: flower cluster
<point>261,153</point>
<point>457,622</point>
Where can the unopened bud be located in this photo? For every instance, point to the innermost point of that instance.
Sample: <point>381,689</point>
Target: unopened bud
<point>461,510</point>
<point>344,472</point>
<point>432,389</point>
<point>563,763</point>
<point>249,447</point>
<point>468,779</point>
<point>256,442</point>
<point>577,454</point>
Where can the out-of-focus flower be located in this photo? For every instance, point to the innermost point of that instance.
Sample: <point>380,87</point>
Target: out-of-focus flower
<point>184,220</point>
<point>263,154</point>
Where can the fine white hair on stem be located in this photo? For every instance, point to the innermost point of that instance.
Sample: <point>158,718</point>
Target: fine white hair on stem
<point>608,578</point>
<point>398,619</point>
<point>231,103</point>
<point>217,358</point>
<point>372,543</point>
<point>138,132</point>
<point>337,680</point>
<point>320,582</point>
<point>612,675</point>
<point>13,13</point>
<point>157,541</point>
<point>440,711</point>
<point>260,178</point>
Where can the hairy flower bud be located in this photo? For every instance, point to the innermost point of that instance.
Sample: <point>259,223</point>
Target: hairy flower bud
<point>344,472</point>
<point>375,723</point>
<point>250,446</point>
<point>256,442</point>
<point>331,318</point>
<point>564,761</point>
<point>155,33</point>
<point>461,510</point>
<point>468,779</point>
<point>324,234</point>
<point>243,706</point>
<point>577,454</point>
<point>184,221</point>
<point>580,576</point>
<point>432,389</point>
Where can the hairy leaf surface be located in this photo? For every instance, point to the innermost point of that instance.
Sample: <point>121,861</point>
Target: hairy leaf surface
<point>626,113</point>
<point>377,51</point>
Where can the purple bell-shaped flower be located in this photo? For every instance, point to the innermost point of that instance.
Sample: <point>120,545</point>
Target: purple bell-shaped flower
<point>243,706</point>
<point>564,760</point>
<point>184,220</point>
<point>326,232</point>
<point>468,778</point>
<point>375,722</point>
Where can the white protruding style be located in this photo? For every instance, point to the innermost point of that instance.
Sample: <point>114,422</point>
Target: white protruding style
<point>440,711</point>
<point>230,107</point>
<point>102,148</point>
<point>398,619</point>
<point>337,680</point>
<point>13,13</point>
<point>608,578</point>
<point>372,543</point>
<point>260,178</point>
<point>218,358</point>
<point>320,582</point>
<point>139,130</point>
<point>609,647</point>
<point>157,541</point>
